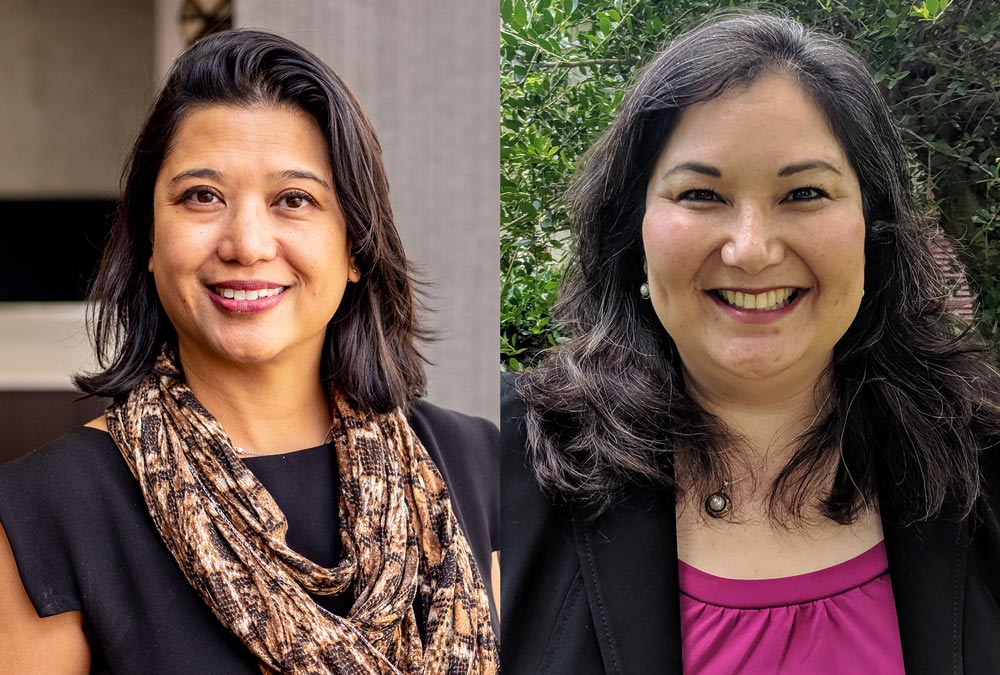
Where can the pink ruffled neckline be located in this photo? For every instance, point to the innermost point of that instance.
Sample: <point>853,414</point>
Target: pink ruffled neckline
<point>783,591</point>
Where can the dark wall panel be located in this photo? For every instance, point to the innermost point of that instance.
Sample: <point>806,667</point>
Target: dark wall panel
<point>29,419</point>
<point>57,245</point>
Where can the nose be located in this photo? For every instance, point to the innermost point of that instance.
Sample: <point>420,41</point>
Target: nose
<point>752,245</point>
<point>248,235</point>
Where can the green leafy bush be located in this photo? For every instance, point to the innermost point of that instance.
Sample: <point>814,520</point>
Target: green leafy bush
<point>565,65</point>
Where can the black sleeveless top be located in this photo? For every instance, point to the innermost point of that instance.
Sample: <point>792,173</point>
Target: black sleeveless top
<point>83,539</point>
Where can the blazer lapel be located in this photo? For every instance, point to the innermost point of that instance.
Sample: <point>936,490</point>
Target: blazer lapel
<point>629,560</point>
<point>927,566</point>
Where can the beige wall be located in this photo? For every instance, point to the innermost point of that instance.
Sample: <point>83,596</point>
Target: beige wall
<point>76,78</point>
<point>427,73</point>
<point>75,81</point>
<point>168,38</point>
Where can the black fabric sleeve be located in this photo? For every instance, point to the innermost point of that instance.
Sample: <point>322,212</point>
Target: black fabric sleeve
<point>547,625</point>
<point>984,550</point>
<point>43,502</point>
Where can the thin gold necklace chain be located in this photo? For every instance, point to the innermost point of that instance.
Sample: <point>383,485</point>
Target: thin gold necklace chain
<point>246,453</point>
<point>243,452</point>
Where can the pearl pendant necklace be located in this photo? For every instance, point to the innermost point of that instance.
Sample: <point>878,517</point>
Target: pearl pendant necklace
<point>719,503</point>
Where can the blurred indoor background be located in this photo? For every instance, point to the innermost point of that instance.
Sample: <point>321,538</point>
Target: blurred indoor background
<point>75,82</point>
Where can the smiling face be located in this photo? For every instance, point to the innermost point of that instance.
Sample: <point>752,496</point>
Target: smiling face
<point>752,203</point>
<point>250,250</point>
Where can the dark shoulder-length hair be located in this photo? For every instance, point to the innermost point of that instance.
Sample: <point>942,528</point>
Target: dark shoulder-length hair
<point>914,396</point>
<point>370,349</point>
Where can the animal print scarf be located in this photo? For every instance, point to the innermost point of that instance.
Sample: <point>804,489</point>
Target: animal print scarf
<point>399,537</point>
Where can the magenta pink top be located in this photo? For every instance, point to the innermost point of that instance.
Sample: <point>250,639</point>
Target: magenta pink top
<point>837,620</point>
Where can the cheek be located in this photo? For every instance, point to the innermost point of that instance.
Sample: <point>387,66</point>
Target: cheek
<point>838,247</point>
<point>675,246</point>
<point>179,252</point>
<point>322,263</point>
<point>176,257</point>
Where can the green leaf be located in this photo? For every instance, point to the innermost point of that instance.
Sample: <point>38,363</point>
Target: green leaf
<point>895,79</point>
<point>519,18</point>
<point>605,23</point>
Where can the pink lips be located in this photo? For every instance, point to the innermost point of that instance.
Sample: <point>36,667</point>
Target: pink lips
<point>758,316</point>
<point>246,306</point>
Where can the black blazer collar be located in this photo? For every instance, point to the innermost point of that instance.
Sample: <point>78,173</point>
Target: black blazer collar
<point>628,557</point>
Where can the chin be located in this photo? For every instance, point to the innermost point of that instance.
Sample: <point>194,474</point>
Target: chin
<point>249,356</point>
<point>756,365</point>
<point>754,373</point>
<point>246,349</point>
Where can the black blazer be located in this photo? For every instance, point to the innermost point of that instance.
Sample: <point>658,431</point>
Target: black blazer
<point>582,597</point>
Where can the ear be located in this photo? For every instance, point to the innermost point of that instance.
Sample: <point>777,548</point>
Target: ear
<point>353,272</point>
<point>150,265</point>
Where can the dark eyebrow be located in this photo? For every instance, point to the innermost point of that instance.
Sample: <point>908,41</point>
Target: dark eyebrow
<point>212,174</point>
<point>196,173</point>
<point>789,170</point>
<point>303,175</point>
<point>806,166</point>
<point>696,167</point>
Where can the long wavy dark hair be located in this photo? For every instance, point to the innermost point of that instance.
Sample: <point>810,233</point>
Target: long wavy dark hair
<point>914,396</point>
<point>370,348</point>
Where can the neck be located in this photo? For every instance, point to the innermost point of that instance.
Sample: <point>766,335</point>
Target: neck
<point>768,416</point>
<point>266,408</point>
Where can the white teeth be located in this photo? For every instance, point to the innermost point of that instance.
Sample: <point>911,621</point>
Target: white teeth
<point>768,300</point>
<point>249,295</point>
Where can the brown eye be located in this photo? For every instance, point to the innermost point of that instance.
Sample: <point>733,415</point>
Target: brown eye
<point>699,196</point>
<point>805,194</point>
<point>200,195</point>
<point>296,200</point>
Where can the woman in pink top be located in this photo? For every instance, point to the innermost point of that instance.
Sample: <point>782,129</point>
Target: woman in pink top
<point>767,446</point>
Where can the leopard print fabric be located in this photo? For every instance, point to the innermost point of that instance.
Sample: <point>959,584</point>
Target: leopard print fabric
<point>398,531</point>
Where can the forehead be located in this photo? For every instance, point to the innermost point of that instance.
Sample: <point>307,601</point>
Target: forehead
<point>770,120</point>
<point>244,137</point>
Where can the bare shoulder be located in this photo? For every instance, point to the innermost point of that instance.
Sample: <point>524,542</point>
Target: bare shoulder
<point>98,423</point>
<point>28,643</point>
